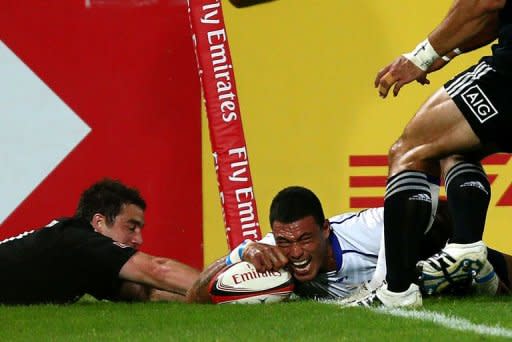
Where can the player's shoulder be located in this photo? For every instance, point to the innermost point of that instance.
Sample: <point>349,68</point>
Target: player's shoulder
<point>70,231</point>
<point>369,215</point>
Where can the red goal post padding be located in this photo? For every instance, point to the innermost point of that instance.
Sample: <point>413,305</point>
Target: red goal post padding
<point>224,121</point>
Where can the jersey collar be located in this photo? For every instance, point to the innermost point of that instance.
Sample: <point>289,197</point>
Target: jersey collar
<point>336,250</point>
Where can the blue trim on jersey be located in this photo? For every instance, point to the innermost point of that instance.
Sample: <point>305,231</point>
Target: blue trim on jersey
<point>336,249</point>
<point>348,218</point>
<point>358,252</point>
<point>345,219</point>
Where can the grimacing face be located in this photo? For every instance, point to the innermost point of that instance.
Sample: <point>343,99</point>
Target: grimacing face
<point>126,228</point>
<point>304,243</point>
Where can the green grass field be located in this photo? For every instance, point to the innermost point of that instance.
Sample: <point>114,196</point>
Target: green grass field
<point>479,319</point>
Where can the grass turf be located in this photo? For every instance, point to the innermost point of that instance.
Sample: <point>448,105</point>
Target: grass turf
<point>293,321</point>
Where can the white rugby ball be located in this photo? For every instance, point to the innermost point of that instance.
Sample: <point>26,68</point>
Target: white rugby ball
<point>241,283</point>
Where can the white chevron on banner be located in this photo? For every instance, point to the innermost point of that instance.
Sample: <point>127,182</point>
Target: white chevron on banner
<point>37,131</point>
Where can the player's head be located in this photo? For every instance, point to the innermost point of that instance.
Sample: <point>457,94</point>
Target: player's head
<point>296,202</point>
<point>300,230</point>
<point>114,210</point>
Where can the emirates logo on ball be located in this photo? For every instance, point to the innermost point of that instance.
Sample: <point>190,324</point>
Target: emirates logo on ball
<point>241,283</point>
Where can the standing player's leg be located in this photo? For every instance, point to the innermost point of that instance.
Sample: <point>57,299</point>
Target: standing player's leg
<point>494,276</point>
<point>481,95</point>
<point>468,191</point>
<point>438,130</point>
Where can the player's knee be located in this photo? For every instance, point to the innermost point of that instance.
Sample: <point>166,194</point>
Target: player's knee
<point>404,155</point>
<point>396,152</point>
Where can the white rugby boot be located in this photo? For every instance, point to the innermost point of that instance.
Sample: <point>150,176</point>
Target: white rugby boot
<point>361,292</point>
<point>454,264</point>
<point>486,282</point>
<point>409,298</point>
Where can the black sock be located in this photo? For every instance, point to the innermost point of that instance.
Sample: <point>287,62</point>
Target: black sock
<point>469,192</point>
<point>407,210</point>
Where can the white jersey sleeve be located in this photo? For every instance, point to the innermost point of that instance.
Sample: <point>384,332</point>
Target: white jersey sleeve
<point>355,239</point>
<point>268,239</point>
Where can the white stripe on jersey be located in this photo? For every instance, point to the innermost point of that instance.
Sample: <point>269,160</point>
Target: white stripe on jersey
<point>17,237</point>
<point>467,79</point>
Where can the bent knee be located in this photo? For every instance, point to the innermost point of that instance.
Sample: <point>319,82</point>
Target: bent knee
<point>404,155</point>
<point>397,152</point>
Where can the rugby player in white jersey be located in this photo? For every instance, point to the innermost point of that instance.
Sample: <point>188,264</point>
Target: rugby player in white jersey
<point>339,258</point>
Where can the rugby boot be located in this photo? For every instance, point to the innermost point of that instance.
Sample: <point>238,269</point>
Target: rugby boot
<point>409,298</point>
<point>456,263</point>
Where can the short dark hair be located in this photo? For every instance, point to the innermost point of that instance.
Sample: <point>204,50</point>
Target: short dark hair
<point>107,197</point>
<point>294,203</point>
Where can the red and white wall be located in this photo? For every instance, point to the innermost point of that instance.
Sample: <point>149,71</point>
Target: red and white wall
<point>101,88</point>
<point>93,88</point>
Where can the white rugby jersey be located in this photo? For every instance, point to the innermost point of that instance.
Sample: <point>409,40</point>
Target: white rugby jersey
<point>356,239</point>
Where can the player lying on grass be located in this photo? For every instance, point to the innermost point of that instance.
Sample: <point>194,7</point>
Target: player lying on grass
<point>339,257</point>
<point>94,252</point>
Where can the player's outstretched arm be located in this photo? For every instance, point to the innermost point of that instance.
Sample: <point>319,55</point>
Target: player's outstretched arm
<point>199,293</point>
<point>131,291</point>
<point>263,256</point>
<point>468,24</point>
<point>159,273</point>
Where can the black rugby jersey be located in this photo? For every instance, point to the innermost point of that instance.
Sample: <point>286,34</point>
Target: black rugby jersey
<point>502,52</point>
<point>60,263</point>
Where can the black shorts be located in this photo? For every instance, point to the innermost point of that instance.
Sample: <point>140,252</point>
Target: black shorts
<point>484,96</point>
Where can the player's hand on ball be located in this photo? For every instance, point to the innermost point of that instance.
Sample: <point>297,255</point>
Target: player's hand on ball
<point>264,257</point>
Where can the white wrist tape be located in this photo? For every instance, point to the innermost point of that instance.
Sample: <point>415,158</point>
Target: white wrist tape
<point>423,56</point>
<point>236,254</point>
<point>456,52</point>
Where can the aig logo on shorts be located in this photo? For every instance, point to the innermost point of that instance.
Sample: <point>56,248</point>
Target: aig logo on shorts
<point>479,103</point>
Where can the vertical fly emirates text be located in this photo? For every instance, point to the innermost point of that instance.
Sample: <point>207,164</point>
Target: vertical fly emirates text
<point>239,173</point>
<point>222,70</point>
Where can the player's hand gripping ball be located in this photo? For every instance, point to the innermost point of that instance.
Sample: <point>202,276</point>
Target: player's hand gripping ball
<point>241,283</point>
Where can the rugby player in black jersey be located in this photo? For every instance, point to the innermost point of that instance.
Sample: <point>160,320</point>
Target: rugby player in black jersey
<point>95,252</point>
<point>467,119</point>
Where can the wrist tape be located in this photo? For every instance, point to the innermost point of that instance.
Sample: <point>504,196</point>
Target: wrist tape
<point>423,56</point>
<point>236,254</point>
<point>455,51</point>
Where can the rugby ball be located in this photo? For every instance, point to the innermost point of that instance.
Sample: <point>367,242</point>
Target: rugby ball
<point>241,283</point>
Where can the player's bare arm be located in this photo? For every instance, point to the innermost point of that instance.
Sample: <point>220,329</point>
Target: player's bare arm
<point>199,293</point>
<point>468,25</point>
<point>159,273</point>
<point>466,20</point>
<point>263,256</point>
<point>131,291</point>
<point>488,34</point>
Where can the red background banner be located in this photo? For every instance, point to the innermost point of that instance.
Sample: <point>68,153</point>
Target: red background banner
<point>127,69</point>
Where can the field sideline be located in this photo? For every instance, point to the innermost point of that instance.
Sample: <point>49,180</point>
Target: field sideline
<point>488,319</point>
